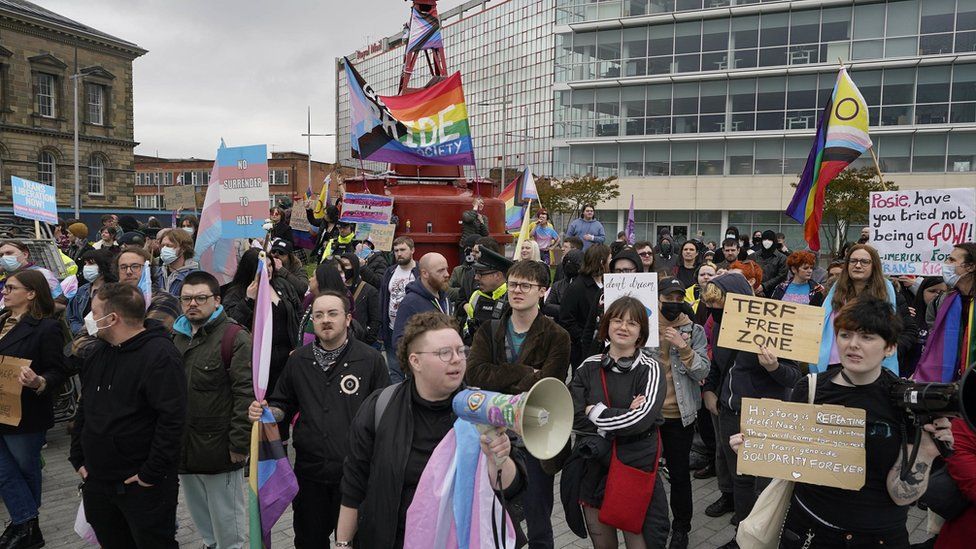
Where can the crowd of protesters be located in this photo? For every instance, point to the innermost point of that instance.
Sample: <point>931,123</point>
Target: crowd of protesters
<point>368,348</point>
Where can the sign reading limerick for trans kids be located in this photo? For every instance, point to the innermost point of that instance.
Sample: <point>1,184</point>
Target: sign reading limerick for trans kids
<point>242,173</point>
<point>643,287</point>
<point>33,200</point>
<point>819,444</point>
<point>914,231</point>
<point>789,330</point>
<point>366,208</point>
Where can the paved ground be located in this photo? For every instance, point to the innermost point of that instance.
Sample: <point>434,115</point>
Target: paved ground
<point>60,504</point>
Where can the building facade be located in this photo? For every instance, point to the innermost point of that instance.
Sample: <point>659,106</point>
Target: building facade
<point>504,51</point>
<point>42,55</point>
<point>287,177</point>
<point>706,109</point>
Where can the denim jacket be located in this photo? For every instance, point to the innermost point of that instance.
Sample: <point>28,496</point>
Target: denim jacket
<point>686,374</point>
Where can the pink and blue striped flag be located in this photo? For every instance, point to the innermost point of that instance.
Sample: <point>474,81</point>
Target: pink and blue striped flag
<point>271,482</point>
<point>216,251</point>
<point>454,506</point>
<point>145,284</point>
<point>631,224</point>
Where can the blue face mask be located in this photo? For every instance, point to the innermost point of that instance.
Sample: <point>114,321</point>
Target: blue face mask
<point>948,275</point>
<point>10,263</point>
<point>90,272</point>
<point>167,255</point>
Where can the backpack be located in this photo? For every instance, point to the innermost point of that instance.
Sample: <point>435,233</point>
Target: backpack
<point>381,404</point>
<point>227,344</point>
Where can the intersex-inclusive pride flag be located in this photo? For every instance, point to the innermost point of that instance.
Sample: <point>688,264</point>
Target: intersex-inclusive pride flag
<point>842,136</point>
<point>425,31</point>
<point>427,127</point>
<point>514,195</point>
<point>271,482</point>
<point>236,205</point>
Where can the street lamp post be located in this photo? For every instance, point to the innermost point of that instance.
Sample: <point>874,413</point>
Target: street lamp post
<point>74,78</point>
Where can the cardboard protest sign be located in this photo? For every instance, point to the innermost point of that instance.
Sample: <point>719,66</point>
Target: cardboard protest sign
<point>33,200</point>
<point>914,231</point>
<point>366,208</point>
<point>10,389</point>
<point>380,235</point>
<point>819,444</point>
<point>299,221</point>
<point>242,173</point>
<point>790,330</point>
<point>180,197</point>
<point>643,287</point>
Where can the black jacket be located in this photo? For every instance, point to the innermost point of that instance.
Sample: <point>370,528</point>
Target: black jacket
<point>774,269</point>
<point>578,303</point>
<point>472,224</point>
<point>386,332</point>
<point>241,308</point>
<point>374,269</point>
<point>328,402</point>
<point>374,470</point>
<point>132,409</point>
<point>366,306</point>
<point>40,341</point>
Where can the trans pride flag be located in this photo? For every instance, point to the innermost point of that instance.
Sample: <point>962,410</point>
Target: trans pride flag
<point>145,285</point>
<point>425,31</point>
<point>271,482</point>
<point>454,506</point>
<point>842,136</point>
<point>427,127</point>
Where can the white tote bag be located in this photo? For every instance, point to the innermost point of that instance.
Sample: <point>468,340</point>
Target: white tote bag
<point>764,525</point>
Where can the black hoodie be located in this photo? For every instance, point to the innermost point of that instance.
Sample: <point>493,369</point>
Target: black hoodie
<point>366,306</point>
<point>737,374</point>
<point>132,410</point>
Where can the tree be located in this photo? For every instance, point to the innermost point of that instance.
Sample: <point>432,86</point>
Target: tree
<point>569,195</point>
<point>846,202</point>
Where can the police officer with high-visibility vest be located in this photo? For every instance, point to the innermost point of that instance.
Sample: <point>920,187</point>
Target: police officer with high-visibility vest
<point>490,300</point>
<point>344,243</point>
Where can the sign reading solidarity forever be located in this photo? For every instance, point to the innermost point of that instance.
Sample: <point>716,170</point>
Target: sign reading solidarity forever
<point>643,287</point>
<point>366,208</point>
<point>244,200</point>
<point>790,330</point>
<point>811,443</point>
<point>33,200</point>
<point>10,389</point>
<point>914,231</point>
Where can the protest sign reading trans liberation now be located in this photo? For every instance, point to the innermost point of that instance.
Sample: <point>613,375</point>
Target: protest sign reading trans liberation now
<point>641,286</point>
<point>244,199</point>
<point>914,231</point>
<point>33,200</point>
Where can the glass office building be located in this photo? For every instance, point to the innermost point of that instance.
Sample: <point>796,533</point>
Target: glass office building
<point>705,109</point>
<point>504,51</point>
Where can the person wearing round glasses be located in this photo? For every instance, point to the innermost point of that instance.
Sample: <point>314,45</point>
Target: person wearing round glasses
<point>397,430</point>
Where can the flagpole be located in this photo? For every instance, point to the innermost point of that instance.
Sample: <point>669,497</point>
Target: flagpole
<point>877,168</point>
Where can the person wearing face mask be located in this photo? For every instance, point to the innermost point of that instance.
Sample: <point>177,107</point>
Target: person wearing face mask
<point>757,238</point>
<point>28,331</point>
<point>190,224</point>
<point>126,440</point>
<point>366,299</point>
<point>176,256</point>
<point>735,375</point>
<point>464,270</point>
<point>930,289</point>
<point>97,270</point>
<point>772,261</point>
<point>683,355</point>
<point>666,260</point>
<point>571,265</point>
<point>946,356</point>
<point>15,255</point>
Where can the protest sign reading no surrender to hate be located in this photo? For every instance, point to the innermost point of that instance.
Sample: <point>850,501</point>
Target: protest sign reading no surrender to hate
<point>819,444</point>
<point>10,389</point>
<point>914,231</point>
<point>790,330</point>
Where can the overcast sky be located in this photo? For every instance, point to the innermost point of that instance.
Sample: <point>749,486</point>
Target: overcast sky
<point>244,70</point>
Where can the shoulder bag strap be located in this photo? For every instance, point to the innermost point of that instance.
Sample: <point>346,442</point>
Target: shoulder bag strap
<point>381,404</point>
<point>227,343</point>
<point>359,288</point>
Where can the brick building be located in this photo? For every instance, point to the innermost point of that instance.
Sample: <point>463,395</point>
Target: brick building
<point>39,52</point>
<point>287,172</point>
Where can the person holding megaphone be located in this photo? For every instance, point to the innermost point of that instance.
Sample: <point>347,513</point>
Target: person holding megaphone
<point>618,398</point>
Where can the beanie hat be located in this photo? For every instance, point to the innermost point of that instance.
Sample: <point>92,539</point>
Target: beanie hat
<point>80,230</point>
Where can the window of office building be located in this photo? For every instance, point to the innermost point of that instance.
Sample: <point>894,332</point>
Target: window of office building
<point>96,104</point>
<point>46,86</point>
<point>96,175</point>
<point>47,168</point>
<point>278,177</point>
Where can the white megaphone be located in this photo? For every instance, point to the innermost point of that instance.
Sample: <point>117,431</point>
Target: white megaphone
<point>542,416</point>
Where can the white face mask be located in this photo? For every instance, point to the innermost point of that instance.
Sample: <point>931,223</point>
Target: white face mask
<point>167,255</point>
<point>730,235</point>
<point>188,230</point>
<point>949,275</point>
<point>10,263</point>
<point>91,325</point>
<point>90,272</point>
<point>767,244</point>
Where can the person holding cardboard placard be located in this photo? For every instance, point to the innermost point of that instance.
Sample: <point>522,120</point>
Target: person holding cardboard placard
<point>29,332</point>
<point>734,375</point>
<point>867,331</point>
<point>618,397</point>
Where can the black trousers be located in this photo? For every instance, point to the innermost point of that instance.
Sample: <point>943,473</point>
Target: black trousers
<point>677,440</point>
<point>745,488</point>
<point>802,530</point>
<point>127,516</point>
<point>537,504</point>
<point>706,431</point>
<point>315,512</point>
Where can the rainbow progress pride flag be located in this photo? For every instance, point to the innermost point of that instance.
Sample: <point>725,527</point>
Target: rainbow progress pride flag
<point>842,136</point>
<point>427,127</point>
